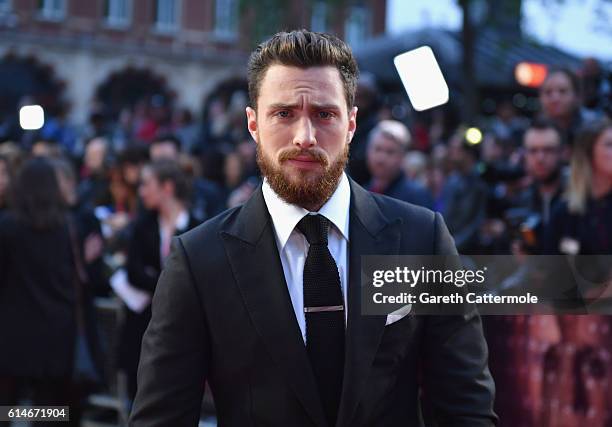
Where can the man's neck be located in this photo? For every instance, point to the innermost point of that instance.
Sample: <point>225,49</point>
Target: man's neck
<point>383,184</point>
<point>380,184</point>
<point>313,208</point>
<point>170,211</point>
<point>548,188</point>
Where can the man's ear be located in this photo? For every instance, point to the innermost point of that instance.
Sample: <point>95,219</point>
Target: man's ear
<point>352,124</point>
<point>252,122</point>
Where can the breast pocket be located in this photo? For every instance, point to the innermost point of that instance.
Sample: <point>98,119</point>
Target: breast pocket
<point>397,340</point>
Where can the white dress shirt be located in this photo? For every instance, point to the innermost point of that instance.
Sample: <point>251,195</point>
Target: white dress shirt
<point>293,246</point>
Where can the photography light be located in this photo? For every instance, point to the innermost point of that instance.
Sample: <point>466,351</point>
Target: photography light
<point>473,136</point>
<point>422,78</point>
<point>31,117</point>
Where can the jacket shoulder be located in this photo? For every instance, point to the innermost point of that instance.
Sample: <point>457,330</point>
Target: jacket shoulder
<point>423,231</point>
<point>209,231</point>
<point>408,212</point>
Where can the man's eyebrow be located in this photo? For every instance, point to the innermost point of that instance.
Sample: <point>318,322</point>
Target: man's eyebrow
<point>281,105</point>
<point>326,106</point>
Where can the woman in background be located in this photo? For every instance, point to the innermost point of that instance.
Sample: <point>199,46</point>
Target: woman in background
<point>165,192</point>
<point>560,100</point>
<point>583,223</point>
<point>577,369</point>
<point>39,298</point>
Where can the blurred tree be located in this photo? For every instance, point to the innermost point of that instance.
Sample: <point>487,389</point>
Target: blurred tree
<point>504,17</point>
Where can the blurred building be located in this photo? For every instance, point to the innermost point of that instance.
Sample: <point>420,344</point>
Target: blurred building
<point>86,52</point>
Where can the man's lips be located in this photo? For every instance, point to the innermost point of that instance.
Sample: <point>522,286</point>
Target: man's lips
<point>307,159</point>
<point>304,161</point>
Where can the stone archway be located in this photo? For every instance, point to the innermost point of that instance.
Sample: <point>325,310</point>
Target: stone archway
<point>224,106</point>
<point>131,86</point>
<point>25,80</point>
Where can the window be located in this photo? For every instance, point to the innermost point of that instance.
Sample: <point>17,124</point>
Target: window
<point>118,12</point>
<point>53,10</point>
<point>226,18</point>
<point>167,15</point>
<point>357,26</point>
<point>318,19</point>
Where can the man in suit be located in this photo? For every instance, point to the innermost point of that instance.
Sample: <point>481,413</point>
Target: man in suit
<point>263,301</point>
<point>388,143</point>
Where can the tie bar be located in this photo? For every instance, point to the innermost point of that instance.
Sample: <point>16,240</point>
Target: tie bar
<point>323,308</point>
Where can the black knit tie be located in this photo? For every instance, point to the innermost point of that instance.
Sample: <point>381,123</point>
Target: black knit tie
<point>324,311</point>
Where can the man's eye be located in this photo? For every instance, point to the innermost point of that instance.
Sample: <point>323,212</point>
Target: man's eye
<point>325,115</point>
<point>283,114</point>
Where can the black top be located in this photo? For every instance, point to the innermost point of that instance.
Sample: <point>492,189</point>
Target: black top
<point>592,231</point>
<point>37,300</point>
<point>588,238</point>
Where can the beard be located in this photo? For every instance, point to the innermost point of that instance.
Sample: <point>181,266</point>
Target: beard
<point>551,178</point>
<point>309,189</point>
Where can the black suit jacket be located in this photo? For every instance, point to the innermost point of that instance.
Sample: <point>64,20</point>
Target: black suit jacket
<point>222,312</point>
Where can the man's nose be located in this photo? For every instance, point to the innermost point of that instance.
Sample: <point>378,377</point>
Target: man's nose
<point>304,134</point>
<point>540,155</point>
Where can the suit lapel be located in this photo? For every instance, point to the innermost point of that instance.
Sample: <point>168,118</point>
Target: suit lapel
<point>370,233</point>
<point>251,247</point>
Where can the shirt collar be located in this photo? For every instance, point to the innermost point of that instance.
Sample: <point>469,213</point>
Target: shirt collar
<point>182,221</point>
<point>285,216</point>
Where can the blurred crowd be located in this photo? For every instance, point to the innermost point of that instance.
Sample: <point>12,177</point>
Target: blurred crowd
<point>92,216</point>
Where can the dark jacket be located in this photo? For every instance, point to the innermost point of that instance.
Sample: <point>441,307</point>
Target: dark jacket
<point>87,224</point>
<point>222,313</point>
<point>404,189</point>
<point>592,230</point>
<point>464,199</point>
<point>143,268</point>
<point>38,326</point>
<point>587,239</point>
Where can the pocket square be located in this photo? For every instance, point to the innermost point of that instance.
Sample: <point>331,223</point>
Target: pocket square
<point>398,314</point>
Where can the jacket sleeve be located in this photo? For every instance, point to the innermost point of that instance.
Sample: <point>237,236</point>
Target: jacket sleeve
<point>141,274</point>
<point>175,351</point>
<point>458,386</point>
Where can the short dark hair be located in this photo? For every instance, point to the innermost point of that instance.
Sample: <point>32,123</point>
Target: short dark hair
<point>133,154</point>
<point>169,170</point>
<point>168,137</point>
<point>303,49</point>
<point>541,123</point>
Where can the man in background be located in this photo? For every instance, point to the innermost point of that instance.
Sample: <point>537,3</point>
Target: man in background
<point>388,144</point>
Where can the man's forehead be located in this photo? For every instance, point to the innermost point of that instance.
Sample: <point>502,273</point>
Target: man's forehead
<point>288,82</point>
<point>381,138</point>
<point>541,136</point>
